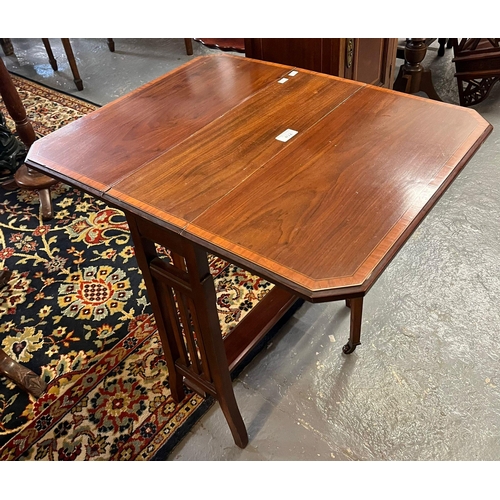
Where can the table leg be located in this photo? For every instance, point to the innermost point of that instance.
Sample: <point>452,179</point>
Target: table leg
<point>145,252</point>
<point>182,295</point>
<point>356,306</point>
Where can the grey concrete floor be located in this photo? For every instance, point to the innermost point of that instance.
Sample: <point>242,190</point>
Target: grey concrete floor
<point>425,383</point>
<point>106,75</point>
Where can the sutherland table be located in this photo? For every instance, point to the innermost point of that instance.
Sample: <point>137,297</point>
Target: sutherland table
<point>310,181</point>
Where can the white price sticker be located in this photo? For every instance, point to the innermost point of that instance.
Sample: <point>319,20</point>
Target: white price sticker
<point>293,73</point>
<point>286,135</point>
<point>283,80</point>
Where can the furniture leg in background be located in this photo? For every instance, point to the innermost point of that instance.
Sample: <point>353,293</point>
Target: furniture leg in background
<point>71,59</point>
<point>444,43</point>
<point>72,63</point>
<point>9,51</point>
<point>188,42</point>
<point>25,177</point>
<point>412,76</point>
<point>6,45</point>
<point>48,49</point>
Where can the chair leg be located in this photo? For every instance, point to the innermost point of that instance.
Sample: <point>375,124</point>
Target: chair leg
<point>71,58</point>
<point>188,42</point>
<point>27,178</point>
<point>46,204</point>
<point>48,49</point>
<point>111,44</point>
<point>442,45</point>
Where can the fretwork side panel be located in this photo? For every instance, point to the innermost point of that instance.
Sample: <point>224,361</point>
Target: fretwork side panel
<point>477,63</point>
<point>173,286</point>
<point>182,294</point>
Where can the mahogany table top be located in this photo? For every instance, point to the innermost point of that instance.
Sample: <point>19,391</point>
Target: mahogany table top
<point>321,212</point>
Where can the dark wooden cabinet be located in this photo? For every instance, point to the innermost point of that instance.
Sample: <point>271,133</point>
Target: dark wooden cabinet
<point>368,60</point>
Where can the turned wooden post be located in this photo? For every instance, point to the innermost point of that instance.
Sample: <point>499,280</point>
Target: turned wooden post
<point>412,76</point>
<point>15,107</point>
<point>25,177</point>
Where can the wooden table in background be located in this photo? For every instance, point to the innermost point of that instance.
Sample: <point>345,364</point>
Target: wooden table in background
<point>308,180</point>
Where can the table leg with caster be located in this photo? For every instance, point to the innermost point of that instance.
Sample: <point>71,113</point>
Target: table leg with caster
<point>356,306</point>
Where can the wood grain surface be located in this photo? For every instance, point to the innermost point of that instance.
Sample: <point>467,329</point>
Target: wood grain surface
<point>119,138</point>
<point>321,214</point>
<point>330,207</point>
<point>188,179</point>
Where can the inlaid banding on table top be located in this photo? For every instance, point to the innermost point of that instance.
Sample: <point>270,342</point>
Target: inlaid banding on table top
<point>323,210</point>
<point>121,136</point>
<point>188,179</point>
<point>331,219</point>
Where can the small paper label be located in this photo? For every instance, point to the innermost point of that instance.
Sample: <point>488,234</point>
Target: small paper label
<point>286,135</point>
<point>293,73</point>
<point>283,80</point>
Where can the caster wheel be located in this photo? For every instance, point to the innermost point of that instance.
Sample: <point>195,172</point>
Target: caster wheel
<point>348,348</point>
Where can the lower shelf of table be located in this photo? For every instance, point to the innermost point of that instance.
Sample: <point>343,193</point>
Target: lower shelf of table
<point>257,324</point>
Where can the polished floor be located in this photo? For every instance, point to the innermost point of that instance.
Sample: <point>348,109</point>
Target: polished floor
<point>425,383</point>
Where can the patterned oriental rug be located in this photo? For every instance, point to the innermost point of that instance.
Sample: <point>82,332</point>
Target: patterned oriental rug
<point>76,312</point>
